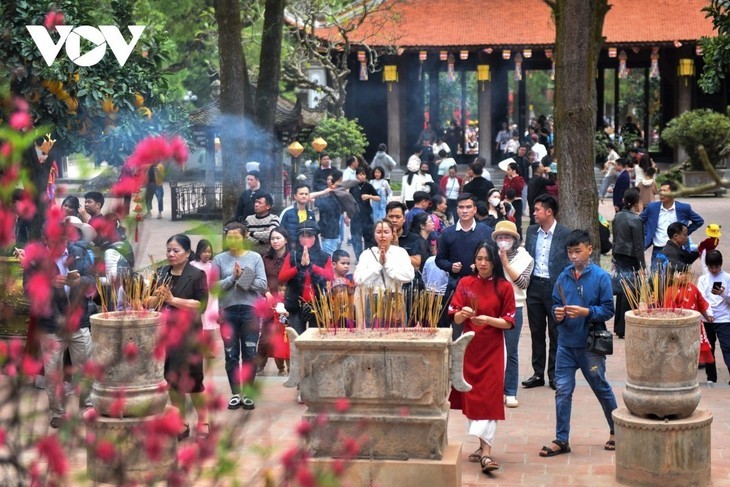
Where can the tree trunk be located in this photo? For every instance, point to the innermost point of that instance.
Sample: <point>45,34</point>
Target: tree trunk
<point>578,40</point>
<point>232,74</point>
<point>267,94</point>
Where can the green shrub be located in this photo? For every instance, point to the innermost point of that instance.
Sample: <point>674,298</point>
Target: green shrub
<point>344,138</point>
<point>696,127</point>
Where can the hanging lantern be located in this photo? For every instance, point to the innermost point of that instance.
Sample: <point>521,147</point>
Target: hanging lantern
<point>698,50</point>
<point>489,50</point>
<point>518,67</point>
<point>552,71</point>
<point>612,52</point>
<point>623,73</point>
<point>443,55</point>
<point>400,51</point>
<point>450,68</point>
<point>464,55</point>
<point>506,53</point>
<point>295,149</point>
<point>686,69</point>
<point>319,144</point>
<point>362,57</point>
<point>549,53</point>
<point>422,55</point>
<point>654,70</point>
<point>483,74</point>
<point>527,53</point>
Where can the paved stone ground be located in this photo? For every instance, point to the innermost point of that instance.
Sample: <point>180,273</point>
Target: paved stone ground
<point>519,437</point>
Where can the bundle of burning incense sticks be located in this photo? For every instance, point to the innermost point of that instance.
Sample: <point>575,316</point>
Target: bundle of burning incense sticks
<point>648,291</point>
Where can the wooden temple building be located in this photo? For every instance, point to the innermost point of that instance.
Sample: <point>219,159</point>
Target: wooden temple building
<point>487,50</point>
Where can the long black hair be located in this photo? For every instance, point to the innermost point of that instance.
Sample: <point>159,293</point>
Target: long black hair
<point>493,254</point>
<point>282,231</point>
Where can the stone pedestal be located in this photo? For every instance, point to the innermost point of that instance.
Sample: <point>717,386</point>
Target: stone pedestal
<point>396,384</point>
<point>445,472</point>
<point>131,463</point>
<point>663,453</point>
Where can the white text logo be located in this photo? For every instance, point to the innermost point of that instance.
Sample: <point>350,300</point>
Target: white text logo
<point>71,36</point>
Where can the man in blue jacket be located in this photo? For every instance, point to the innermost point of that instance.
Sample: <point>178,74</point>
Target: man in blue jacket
<point>582,295</point>
<point>657,217</point>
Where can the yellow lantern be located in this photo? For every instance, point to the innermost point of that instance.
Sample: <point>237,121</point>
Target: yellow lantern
<point>390,73</point>
<point>483,73</point>
<point>319,144</point>
<point>296,149</point>
<point>686,67</point>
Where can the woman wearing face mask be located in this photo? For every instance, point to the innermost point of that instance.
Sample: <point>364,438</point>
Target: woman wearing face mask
<point>242,277</point>
<point>517,265</point>
<point>496,209</point>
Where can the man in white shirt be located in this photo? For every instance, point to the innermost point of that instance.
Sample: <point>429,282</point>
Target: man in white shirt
<point>715,288</point>
<point>348,174</point>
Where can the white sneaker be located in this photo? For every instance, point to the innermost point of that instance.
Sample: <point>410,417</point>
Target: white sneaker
<point>710,383</point>
<point>511,402</point>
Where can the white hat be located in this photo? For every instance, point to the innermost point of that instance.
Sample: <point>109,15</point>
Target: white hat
<point>413,165</point>
<point>88,233</point>
<point>504,164</point>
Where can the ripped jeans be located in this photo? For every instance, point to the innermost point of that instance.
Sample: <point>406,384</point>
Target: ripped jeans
<point>593,367</point>
<point>240,335</point>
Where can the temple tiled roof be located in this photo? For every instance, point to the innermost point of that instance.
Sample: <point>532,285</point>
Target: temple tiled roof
<point>509,23</point>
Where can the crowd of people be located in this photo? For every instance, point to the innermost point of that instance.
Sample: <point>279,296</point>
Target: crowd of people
<point>462,239</point>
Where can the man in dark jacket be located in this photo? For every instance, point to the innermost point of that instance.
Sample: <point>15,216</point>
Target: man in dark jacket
<point>546,243</point>
<point>677,256</point>
<point>296,213</point>
<point>246,202</point>
<point>479,186</point>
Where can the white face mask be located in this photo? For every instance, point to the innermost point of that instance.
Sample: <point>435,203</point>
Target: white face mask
<point>504,244</point>
<point>494,201</point>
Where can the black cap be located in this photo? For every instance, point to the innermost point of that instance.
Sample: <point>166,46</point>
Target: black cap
<point>309,226</point>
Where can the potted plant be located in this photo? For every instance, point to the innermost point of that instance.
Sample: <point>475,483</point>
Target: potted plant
<point>696,128</point>
<point>662,346</point>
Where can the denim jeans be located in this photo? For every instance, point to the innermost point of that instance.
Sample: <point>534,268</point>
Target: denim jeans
<point>240,336</point>
<point>329,245</point>
<point>593,367</point>
<point>512,342</point>
<point>53,347</point>
<point>361,229</point>
<point>158,192</point>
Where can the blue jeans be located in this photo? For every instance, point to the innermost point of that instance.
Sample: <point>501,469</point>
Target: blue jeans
<point>329,245</point>
<point>593,366</point>
<point>156,191</point>
<point>512,342</point>
<point>654,252</point>
<point>240,336</point>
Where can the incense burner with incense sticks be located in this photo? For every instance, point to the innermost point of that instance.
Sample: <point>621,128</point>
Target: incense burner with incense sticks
<point>396,382</point>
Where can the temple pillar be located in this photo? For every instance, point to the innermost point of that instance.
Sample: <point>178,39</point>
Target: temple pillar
<point>395,145</point>
<point>685,85</point>
<point>486,137</point>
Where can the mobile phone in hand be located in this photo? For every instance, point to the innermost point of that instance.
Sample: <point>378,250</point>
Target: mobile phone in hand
<point>716,286</point>
<point>73,274</point>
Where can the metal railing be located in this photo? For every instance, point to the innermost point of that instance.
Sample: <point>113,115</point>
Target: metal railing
<point>196,201</point>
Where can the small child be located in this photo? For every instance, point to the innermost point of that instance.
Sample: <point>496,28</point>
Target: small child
<point>204,261</point>
<point>343,285</point>
<point>647,187</point>
<point>684,294</point>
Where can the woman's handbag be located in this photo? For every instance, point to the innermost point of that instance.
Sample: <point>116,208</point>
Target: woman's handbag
<point>600,340</point>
